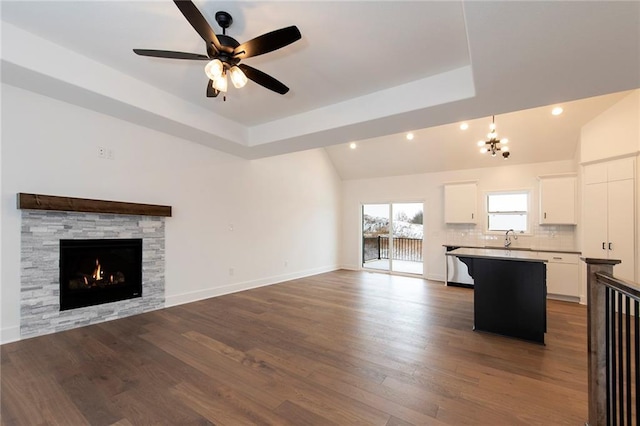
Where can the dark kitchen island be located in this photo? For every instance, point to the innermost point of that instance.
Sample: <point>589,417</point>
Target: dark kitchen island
<point>510,291</point>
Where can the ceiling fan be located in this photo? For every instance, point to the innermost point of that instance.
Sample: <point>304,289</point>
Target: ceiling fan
<point>224,53</point>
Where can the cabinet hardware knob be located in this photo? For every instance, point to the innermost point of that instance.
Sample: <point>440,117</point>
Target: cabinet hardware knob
<point>545,215</point>
<point>558,258</point>
<point>610,246</point>
<point>471,215</point>
<point>603,248</point>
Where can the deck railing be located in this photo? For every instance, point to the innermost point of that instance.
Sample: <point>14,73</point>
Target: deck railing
<point>403,248</point>
<point>613,346</point>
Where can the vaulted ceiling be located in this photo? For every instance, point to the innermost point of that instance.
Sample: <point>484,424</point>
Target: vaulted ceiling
<point>363,71</point>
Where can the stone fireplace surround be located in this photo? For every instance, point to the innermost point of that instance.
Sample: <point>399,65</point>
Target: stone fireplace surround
<point>41,233</point>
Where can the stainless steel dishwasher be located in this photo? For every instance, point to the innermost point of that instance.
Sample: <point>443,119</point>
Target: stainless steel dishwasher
<point>457,273</point>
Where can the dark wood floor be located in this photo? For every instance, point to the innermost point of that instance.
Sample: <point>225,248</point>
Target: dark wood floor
<point>338,348</point>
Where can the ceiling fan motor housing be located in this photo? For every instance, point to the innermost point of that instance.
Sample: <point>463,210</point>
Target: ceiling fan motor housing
<point>224,20</point>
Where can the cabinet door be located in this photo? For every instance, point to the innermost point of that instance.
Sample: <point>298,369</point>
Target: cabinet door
<point>558,201</point>
<point>460,203</point>
<point>595,173</point>
<point>595,221</point>
<point>621,169</point>
<point>563,279</point>
<point>621,227</point>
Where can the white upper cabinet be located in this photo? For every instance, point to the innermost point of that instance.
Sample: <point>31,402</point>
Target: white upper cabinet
<point>461,203</point>
<point>558,198</point>
<point>610,171</point>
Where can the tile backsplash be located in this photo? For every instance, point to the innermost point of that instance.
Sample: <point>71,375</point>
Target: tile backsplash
<point>541,237</point>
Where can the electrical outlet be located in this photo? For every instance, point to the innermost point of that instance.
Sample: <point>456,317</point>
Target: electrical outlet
<point>102,152</point>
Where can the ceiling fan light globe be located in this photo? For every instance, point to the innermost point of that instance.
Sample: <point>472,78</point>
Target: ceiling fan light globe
<point>220,83</point>
<point>214,69</point>
<point>237,77</point>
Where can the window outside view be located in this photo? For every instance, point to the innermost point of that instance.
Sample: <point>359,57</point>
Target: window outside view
<point>508,211</point>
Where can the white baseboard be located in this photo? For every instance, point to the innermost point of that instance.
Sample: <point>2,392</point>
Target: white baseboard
<point>180,299</point>
<point>563,298</point>
<point>351,267</point>
<point>9,334</point>
<point>436,277</point>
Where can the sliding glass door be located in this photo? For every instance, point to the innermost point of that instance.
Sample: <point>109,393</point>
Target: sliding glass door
<point>392,237</point>
<point>375,236</point>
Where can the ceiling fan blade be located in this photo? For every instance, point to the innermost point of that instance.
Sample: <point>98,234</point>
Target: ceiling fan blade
<point>267,42</point>
<point>200,24</point>
<point>264,80</point>
<point>211,92</point>
<point>170,54</point>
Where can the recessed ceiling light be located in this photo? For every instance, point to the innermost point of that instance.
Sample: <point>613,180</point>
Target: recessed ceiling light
<point>409,136</point>
<point>464,126</point>
<point>557,111</point>
<point>352,145</point>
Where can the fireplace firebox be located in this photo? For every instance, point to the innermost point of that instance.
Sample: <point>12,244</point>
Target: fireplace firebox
<point>93,272</point>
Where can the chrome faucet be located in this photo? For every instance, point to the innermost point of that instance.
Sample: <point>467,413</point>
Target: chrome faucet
<point>507,239</point>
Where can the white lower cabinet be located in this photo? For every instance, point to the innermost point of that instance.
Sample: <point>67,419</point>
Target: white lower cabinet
<point>563,275</point>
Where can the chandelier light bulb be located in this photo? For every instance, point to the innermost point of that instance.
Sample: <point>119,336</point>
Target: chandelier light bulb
<point>505,148</point>
<point>214,69</point>
<point>492,126</point>
<point>464,126</point>
<point>480,143</point>
<point>483,150</point>
<point>220,83</point>
<point>237,77</point>
<point>409,136</point>
<point>504,141</point>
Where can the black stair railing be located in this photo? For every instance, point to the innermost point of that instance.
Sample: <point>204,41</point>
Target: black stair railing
<point>613,346</point>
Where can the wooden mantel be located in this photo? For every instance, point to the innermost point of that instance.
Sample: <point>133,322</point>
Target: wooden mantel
<point>69,204</point>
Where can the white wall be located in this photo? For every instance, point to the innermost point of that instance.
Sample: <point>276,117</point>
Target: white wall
<point>613,133</point>
<point>429,189</point>
<point>252,216</point>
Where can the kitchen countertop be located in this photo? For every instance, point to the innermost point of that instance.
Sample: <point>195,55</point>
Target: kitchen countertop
<point>499,254</point>
<point>512,248</point>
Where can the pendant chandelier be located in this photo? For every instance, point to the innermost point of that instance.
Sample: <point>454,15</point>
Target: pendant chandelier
<point>494,145</point>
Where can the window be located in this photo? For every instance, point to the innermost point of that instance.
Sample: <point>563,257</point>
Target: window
<point>508,210</point>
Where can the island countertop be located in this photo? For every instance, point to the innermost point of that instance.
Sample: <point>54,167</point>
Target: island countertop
<point>519,255</point>
<point>498,247</point>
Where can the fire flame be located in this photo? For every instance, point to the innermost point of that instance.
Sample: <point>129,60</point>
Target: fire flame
<point>97,273</point>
